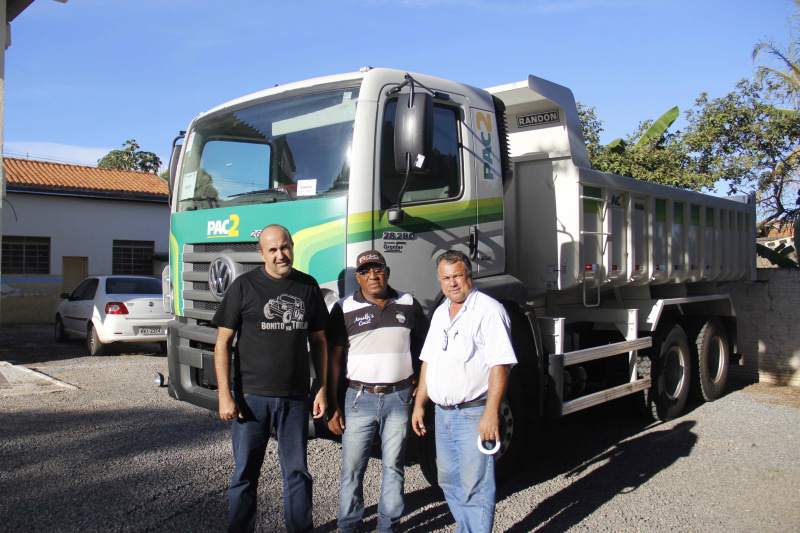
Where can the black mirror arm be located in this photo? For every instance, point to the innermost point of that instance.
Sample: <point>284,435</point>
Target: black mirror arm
<point>412,81</point>
<point>396,214</point>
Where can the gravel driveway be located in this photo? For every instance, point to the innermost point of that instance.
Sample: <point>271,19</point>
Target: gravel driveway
<point>118,454</point>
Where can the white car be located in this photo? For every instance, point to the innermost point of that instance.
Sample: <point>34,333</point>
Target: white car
<point>106,309</point>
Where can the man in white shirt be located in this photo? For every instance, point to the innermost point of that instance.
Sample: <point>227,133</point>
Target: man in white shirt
<point>465,363</point>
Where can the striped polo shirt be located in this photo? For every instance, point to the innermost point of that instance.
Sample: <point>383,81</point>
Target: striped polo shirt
<point>382,344</point>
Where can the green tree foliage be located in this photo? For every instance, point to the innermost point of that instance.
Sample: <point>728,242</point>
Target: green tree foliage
<point>785,75</point>
<point>130,158</point>
<point>651,153</point>
<point>741,140</point>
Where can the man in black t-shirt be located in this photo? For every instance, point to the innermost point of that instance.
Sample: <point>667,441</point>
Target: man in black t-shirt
<point>274,313</point>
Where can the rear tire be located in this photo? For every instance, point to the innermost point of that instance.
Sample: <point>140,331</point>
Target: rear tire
<point>93,342</point>
<point>670,370</point>
<point>710,360</point>
<point>61,334</point>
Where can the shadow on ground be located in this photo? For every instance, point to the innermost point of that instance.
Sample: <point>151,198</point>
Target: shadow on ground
<point>26,344</point>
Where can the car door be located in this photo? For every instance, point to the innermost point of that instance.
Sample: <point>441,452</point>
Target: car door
<point>70,313</point>
<point>439,207</point>
<point>80,308</point>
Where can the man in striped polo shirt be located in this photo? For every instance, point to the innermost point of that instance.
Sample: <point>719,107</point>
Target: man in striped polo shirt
<point>381,331</point>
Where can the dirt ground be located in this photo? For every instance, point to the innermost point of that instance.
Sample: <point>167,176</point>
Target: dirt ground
<point>778,394</point>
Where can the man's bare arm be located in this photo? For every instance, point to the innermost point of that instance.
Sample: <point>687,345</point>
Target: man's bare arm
<point>418,416</point>
<point>336,421</point>
<point>228,410</point>
<point>319,356</point>
<point>489,424</point>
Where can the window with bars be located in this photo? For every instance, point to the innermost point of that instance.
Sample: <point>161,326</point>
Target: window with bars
<point>26,255</point>
<point>133,257</point>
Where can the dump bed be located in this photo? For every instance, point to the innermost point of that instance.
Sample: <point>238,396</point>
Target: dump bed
<point>569,227</point>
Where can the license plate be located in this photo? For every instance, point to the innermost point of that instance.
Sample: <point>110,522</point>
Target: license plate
<point>150,331</point>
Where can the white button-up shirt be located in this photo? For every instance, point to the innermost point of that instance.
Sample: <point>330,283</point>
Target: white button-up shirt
<point>461,353</point>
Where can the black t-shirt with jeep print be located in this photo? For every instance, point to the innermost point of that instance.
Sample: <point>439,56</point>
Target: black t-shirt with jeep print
<point>272,318</point>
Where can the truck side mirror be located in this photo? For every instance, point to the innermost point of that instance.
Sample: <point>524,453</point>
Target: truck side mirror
<point>173,162</point>
<point>413,142</point>
<point>413,131</point>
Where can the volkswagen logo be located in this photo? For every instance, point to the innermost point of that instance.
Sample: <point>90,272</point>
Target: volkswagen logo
<point>220,276</point>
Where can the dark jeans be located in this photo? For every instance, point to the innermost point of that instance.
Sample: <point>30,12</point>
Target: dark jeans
<point>289,417</point>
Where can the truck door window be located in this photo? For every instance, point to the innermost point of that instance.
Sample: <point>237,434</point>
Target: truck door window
<point>443,181</point>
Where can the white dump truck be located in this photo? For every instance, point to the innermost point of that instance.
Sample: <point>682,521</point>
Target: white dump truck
<point>613,285</point>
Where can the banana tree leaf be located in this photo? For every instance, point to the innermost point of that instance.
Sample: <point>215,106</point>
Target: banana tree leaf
<point>774,257</point>
<point>617,146</point>
<point>659,126</point>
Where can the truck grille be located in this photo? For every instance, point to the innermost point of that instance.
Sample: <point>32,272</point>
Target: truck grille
<point>198,301</point>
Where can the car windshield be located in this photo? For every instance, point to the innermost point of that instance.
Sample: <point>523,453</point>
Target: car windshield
<point>291,149</point>
<point>133,286</point>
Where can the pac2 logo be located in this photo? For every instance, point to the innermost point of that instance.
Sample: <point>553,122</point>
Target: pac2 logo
<point>483,124</point>
<point>223,228</point>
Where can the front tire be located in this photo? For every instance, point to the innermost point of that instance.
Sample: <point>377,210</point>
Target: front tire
<point>710,360</point>
<point>60,333</point>
<point>670,371</point>
<point>93,343</point>
<point>425,447</point>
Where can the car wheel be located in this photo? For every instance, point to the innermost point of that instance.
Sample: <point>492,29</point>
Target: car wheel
<point>93,342</point>
<point>163,346</point>
<point>61,335</point>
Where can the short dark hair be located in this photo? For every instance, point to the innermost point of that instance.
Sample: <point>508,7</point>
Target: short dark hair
<point>453,257</point>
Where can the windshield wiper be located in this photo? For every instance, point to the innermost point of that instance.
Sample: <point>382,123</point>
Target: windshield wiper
<point>262,191</point>
<point>211,199</point>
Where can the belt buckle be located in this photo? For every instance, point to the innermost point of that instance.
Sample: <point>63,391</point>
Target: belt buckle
<point>381,389</point>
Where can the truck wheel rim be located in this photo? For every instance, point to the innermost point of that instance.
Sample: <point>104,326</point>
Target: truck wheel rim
<point>674,373</point>
<point>506,428</point>
<point>716,353</point>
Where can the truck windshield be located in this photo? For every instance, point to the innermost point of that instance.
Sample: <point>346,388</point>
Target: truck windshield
<point>291,149</point>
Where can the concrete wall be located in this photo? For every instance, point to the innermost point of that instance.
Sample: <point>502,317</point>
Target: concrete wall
<point>78,227</point>
<point>769,331</point>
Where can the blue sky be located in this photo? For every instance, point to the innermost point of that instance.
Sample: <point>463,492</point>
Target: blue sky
<point>83,77</point>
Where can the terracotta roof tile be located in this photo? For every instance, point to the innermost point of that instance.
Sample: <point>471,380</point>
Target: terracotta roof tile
<point>41,176</point>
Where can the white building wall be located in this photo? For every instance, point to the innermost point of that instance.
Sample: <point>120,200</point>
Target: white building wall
<point>77,227</point>
<point>86,227</point>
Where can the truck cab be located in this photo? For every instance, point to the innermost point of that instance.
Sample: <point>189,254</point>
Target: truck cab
<point>319,158</point>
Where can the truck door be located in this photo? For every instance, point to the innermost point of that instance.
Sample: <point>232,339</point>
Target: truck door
<point>439,206</point>
<point>488,252</point>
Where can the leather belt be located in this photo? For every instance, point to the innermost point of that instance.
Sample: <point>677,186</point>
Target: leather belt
<point>465,405</point>
<point>383,389</point>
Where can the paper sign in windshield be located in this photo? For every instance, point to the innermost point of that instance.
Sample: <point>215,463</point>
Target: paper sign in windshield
<point>306,187</point>
<point>187,187</point>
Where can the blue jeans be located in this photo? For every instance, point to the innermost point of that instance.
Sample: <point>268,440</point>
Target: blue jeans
<point>466,476</point>
<point>289,417</point>
<point>366,413</point>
